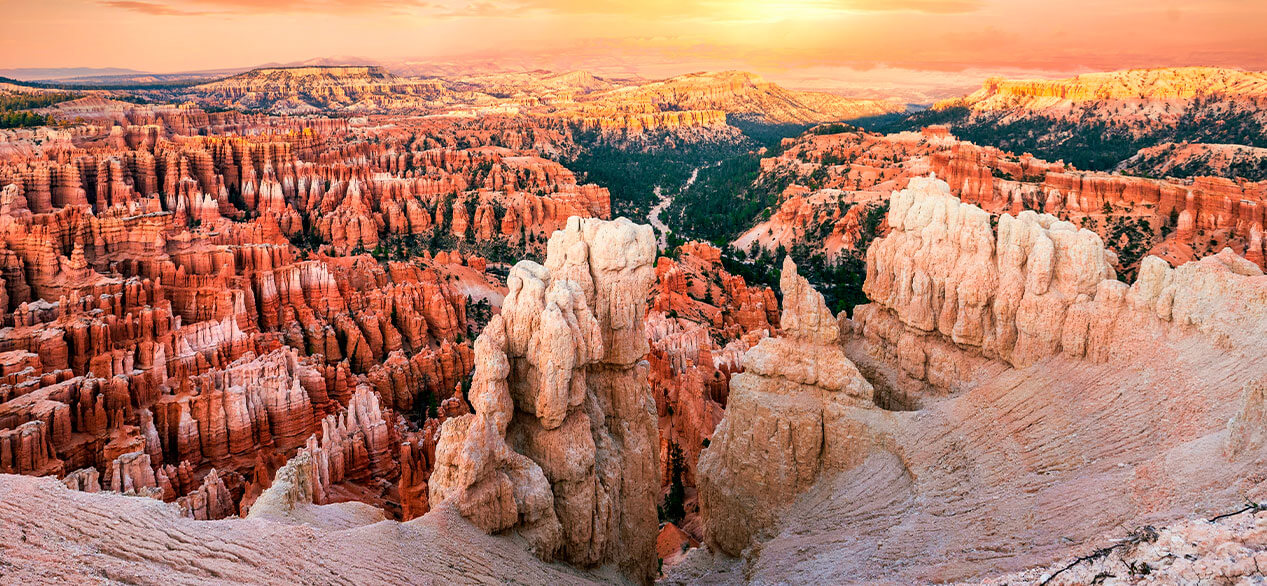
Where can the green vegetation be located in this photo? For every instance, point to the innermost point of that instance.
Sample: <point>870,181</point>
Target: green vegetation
<point>1001,174</point>
<point>1130,238</point>
<point>404,247</point>
<point>13,106</point>
<point>763,134</point>
<point>1091,144</point>
<point>725,200</point>
<point>21,119</point>
<point>173,85</point>
<point>1249,167</point>
<point>729,196</point>
<point>478,314</point>
<point>674,507</point>
<point>839,280</point>
<point>426,406</point>
<point>632,174</point>
<point>306,241</point>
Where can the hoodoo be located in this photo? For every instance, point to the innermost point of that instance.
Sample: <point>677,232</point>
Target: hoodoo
<point>563,445</point>
<point>1038,381</point>
<point>397,320</point>
<point>799,408</point>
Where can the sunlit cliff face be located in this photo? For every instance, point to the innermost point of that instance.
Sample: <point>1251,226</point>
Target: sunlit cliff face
<point>805,42</point>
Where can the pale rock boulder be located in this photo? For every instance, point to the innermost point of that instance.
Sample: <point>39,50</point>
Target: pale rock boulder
<point>561,446</point>
<point>290,500</point>
<point>1006,289</point>
<point>800,409</point>
<point>1043,381</point>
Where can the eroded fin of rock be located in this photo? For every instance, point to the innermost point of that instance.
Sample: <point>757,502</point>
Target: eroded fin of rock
<point>562,444</point>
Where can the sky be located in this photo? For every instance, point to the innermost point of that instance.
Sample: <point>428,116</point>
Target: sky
<point>853,46</point>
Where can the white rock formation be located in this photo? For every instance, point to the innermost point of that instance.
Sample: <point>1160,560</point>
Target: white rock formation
<point>799,409</point>
<point>562,443</point>
<point>1032,287</point>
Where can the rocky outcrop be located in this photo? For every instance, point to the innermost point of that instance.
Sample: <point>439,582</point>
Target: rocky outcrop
<point>210,501</point>
<point>1246,433</point>
<point>799,409</point>
<point>1030,288</point>
<point>153,543</point>
<point>841,180</point>
<point>170,293</point>
<point>354,444</point>
<point>1179,83</point>
<point>132,473</point>
<point>562,443</point>
<point>1026,376</point>
<point>315,88</point>
<point>291,499</point>
<point>1197,159</point>
<point>701,321</point>
<point>1188,551</point>
<point>1180,220</point>
<point>743,94</point>
<point>1098,120</point>
<point>698,288</point>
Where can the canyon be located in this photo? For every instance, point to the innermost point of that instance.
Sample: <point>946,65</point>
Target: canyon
<point>1037,421</point>
<point>833,180</point>
<point>1097,121</point>
<point>620,106</point>
<point>187,311</point>
<point>338,325</point>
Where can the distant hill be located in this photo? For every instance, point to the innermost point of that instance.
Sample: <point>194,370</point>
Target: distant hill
<point>314,88</point>
<point>63,73</point>
<point>1097,121</point>
<point>745,95</point>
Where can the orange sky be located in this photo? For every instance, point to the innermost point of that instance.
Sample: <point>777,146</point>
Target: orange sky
<point>825,43</point>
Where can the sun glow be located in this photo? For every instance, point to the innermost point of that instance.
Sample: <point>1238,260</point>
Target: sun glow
<point>782,10</point>
<point>790,40</point>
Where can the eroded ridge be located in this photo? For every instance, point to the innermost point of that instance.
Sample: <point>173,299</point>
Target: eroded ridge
<point>563,445</point>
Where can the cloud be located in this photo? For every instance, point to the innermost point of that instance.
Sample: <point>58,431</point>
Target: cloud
<point>200,7</point>
<point>724,9</point>
<point>150,8</point>
<point>702,9</point>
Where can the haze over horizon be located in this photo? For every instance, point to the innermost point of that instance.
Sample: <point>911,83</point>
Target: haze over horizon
<point>903,47</point>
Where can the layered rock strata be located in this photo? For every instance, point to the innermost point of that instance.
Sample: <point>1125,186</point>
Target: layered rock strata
<point>800,408</point>
<point>1041,381</point>
<point>1030,287</point>
<point>562,443</point>
<point>839,181</point>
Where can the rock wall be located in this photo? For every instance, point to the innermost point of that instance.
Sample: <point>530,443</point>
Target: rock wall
<point>181,315</point>
<point>835,181</point>
<point>799,409</point>
<point>1037,380</point>
<point>1179,83</point>
<point>701,321</point>
<point>1031,287</point>
<point>1194,217</point>
<point>562,443</point>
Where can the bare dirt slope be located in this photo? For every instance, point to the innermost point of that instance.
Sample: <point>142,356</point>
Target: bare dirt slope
<point>51,534</point>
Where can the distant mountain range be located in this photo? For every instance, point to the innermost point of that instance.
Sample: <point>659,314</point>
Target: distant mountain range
<point>64,73</point>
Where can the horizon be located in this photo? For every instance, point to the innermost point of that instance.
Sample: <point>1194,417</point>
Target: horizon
<point>908,48</point>
<point>93,76</point>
